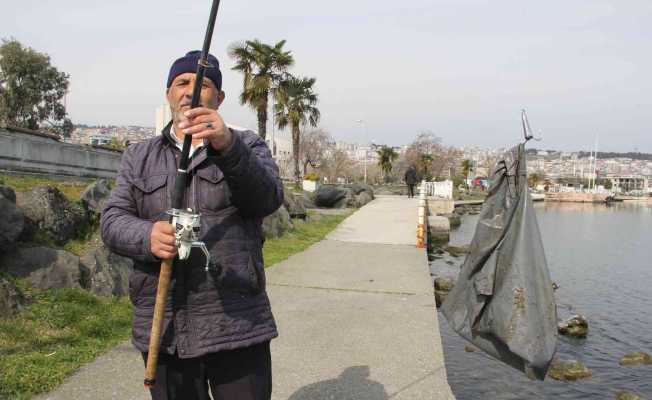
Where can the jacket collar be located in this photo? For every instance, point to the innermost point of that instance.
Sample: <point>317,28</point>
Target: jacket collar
<point>197,158</point>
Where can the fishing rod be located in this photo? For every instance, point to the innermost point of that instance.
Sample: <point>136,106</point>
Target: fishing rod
<point>186,222</point>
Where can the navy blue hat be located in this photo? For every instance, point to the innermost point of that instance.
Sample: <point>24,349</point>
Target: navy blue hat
<point>188,63</point>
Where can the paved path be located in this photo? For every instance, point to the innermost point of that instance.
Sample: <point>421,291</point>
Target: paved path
<point>356,316</point>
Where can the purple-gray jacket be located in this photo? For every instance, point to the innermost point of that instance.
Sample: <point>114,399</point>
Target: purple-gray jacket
<point>226,307</point>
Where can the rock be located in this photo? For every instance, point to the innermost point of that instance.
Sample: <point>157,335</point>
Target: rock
<point>294,205</point>
<point>457,251</point>
<point>48,210</point>
<point>362,188</point>
<point>277,223</point>
<point>440,297</point>
<point>442,287</point>
<point>568,370</point>
<point>96,195</point>
<point>576,326</point>
<point>351,201</point>
<point>626,395</point>
<point>438,238</point>
<point>454,220</point>
<point>11,299</point>
<point>470,349</point>
<point>444,284</point>
<point>46,268</point>
<point>307,200</point>
<point>363,198</point>
<point>8,193</point>
<point>12,223</point>
<point>329,196</point>
<point>108,273</point>
<point>636,359</point>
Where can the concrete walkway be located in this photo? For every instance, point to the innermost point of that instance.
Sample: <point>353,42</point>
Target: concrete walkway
<point>356,317</point>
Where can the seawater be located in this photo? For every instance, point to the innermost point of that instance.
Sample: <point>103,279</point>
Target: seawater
<point>601,257</point>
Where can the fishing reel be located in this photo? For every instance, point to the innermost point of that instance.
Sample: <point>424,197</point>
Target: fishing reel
<point>187,227</point>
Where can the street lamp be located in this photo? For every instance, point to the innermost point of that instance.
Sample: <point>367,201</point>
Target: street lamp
<point>364,128</point>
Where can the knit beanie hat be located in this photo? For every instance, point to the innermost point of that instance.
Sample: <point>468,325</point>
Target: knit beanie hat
<point>188,63</point>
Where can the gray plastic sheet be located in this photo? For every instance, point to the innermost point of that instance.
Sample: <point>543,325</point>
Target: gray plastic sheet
<point>503,300</point>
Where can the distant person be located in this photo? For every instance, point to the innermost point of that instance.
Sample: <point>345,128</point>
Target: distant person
<point>411,179</point>
<point>218,323</point>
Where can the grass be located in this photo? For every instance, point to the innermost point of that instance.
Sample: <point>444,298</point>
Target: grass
<point>23,183</point>
<point>300,238</point>
<point>57,333</point>
<point>61,330</point>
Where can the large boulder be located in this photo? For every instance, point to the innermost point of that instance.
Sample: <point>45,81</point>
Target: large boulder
<point>636,359</point>
<point>362,187</point>
<point>363,198</point>
<point>11,299</point>
<point>11,223</point>
<point>45,268</point>
<point>277,223</point>
<point>95,195</point>
<point>330,196</point>
<point>108,273</point>
<point>294,205</point>
<point>46,209</point>
<point>568,370</point>
<point>576,326</point>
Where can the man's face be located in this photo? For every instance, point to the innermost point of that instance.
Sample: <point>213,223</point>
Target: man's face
<point>179,95</point>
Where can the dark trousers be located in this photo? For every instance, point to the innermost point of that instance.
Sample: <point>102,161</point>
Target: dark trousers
<point>411,189</point>
<point>241,374</point>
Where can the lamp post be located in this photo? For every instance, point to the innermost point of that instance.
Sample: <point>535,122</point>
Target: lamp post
<point>364,128</point>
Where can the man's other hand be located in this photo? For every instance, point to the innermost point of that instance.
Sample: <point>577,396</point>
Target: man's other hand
<point>162,241</point>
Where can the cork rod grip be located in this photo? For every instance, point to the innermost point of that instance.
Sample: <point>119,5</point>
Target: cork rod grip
<point>157,322</point>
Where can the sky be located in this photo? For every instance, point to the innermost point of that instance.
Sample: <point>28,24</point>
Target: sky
<point>461,69</point>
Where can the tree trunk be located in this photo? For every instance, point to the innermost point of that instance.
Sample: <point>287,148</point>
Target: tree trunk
<point>296,137</point>
<point>262,121</point>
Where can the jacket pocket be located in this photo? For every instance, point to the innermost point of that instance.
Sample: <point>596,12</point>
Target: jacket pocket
<point>151,196</point>
<point>238,274</point>
<point>212,192</point>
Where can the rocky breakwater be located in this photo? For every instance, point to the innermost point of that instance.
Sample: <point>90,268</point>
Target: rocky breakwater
<point>350,196</point>
<point>36,228</point>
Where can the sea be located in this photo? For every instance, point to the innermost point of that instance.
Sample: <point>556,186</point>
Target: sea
<point>601,258</point>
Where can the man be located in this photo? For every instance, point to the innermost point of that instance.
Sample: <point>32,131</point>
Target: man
<point>218,323</point>
<point>411,179</point>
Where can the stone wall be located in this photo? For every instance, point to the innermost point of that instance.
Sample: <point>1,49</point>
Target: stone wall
<point>31,152</point>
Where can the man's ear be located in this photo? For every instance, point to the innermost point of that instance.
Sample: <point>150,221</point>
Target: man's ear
<point>220,98</point>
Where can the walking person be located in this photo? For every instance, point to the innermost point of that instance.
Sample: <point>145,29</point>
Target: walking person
<point>218,322</point>
<point>411,179</point>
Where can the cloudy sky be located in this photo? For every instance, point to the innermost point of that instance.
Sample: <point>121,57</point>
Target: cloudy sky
<point>461,69</point>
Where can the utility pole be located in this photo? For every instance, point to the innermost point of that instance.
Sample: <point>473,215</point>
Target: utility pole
<point>364,129</point>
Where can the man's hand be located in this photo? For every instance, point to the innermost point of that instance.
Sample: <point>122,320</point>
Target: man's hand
<point>162,241</point>
<point>206,123</point>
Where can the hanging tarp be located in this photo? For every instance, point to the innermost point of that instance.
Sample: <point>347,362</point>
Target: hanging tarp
<point>503,300</point>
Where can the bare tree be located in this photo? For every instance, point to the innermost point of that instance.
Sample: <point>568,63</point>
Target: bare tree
<point>313,148</point>
<point>337,164</point>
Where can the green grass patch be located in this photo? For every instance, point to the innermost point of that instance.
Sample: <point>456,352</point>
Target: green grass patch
<point>55,335</point>
<point>23,183</point>
<point>300,238</point>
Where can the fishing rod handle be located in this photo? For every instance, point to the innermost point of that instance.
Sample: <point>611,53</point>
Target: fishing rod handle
<point>157,322</point>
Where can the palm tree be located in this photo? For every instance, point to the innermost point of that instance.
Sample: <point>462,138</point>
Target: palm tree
<point>295,107</point>
<point>263,67</point>
<point>387,155</point>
